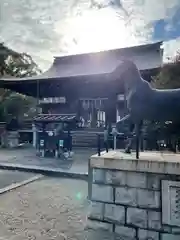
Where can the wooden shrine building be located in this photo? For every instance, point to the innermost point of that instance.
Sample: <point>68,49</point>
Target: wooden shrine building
<point>83,83</point>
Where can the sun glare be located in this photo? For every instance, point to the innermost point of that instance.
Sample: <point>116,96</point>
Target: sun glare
<point>94,30</point>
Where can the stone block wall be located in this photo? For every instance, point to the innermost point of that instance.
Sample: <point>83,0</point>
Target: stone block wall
<point>129,204</point>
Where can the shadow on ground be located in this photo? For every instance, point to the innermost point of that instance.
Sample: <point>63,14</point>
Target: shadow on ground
<point>27,157</point>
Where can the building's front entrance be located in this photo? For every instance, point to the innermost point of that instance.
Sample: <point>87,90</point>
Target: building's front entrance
<point>93,113</point>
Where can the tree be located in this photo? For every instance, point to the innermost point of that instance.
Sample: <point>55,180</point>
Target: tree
<point>19,105</point>
<point>169,76</point>
<point>19,65</point>
<point>16,64</point>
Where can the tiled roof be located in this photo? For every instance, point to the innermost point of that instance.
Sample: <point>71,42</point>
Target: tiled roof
<point>55,118</point>
<point>95,63</point>
<point>75,70</point>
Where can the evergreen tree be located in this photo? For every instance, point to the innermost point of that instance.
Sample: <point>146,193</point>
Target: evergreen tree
<point>18,65</point>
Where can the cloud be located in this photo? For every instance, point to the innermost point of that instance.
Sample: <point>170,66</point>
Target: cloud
<point>47,28</point>
<point>171,47</point>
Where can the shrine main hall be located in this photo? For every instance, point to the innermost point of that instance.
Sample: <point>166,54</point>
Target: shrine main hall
<point>83,84</point>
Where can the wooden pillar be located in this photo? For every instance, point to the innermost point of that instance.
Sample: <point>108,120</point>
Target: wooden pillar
<point>110,111</point>
<point>79,108</point>
<point>94,116</point>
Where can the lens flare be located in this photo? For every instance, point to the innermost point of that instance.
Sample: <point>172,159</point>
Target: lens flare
<point>79,195</point>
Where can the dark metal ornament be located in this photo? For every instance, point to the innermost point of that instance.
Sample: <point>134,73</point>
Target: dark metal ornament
<point>144,102</point>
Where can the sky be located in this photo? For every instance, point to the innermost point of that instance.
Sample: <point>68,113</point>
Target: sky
<point>48,28</point>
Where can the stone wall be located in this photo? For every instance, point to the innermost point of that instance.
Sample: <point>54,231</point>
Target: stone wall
<point>129,203</point>
<point>10,139</point>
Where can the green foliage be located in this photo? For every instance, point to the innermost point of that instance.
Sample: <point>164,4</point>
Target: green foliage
<point>20,106</point>
<point>169,76</point>
<point>18,65</point>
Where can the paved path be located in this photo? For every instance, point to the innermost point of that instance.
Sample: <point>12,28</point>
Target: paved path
<point>28,158</point>
<point>48,209</point>
<point>10,177</point>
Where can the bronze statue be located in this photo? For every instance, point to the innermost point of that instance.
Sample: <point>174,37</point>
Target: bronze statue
<point>145,102</point>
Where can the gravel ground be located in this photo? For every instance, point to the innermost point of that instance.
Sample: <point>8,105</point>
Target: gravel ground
<point>50,208</point>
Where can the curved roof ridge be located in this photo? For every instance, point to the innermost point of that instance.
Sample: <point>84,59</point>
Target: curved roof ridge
<point>134,47</point>
<point>96,63</point>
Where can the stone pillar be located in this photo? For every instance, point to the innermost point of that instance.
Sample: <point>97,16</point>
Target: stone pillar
<point>114,133</point>
<point>4,139</point>
<point>135,199</point>
<point>12,139</point>
<point>34,135</point>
